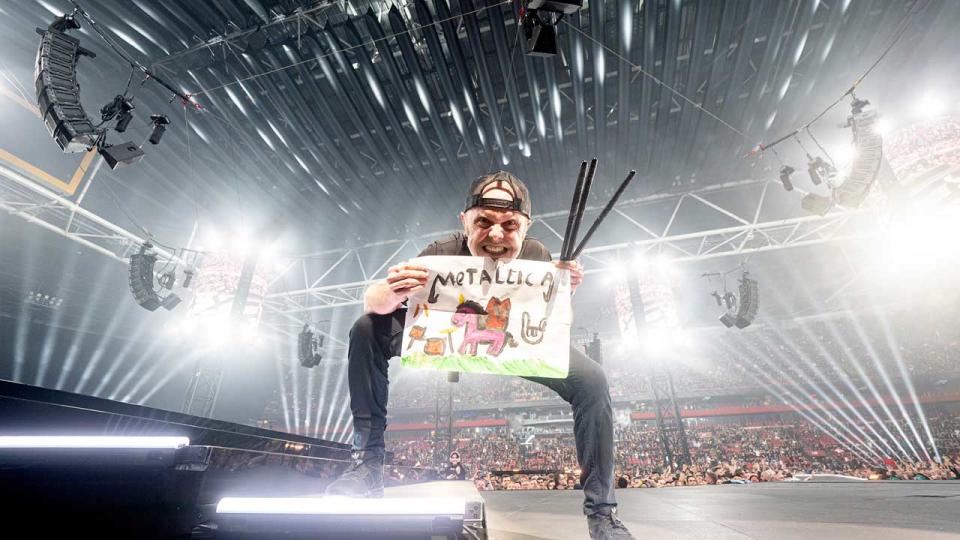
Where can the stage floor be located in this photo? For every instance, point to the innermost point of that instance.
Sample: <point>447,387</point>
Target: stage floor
<point>818,510</point>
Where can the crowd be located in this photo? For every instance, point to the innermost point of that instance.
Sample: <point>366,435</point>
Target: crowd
<point>720,453</point>
<point>748,362</point>
<point>832,349</point>
<point>924,145</point>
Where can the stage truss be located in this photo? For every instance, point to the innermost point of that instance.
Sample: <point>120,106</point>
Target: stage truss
<point>654,229</point>
<point>752,222</point>
<point>23,197</point>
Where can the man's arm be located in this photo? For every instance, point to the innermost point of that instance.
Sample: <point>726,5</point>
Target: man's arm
<point>383,297</point>
<point>380,299</point>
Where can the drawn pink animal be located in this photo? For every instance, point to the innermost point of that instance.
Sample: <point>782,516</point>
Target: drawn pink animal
<point>468,316</point>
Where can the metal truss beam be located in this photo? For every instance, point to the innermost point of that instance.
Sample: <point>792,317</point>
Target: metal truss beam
<point>743,207</point>
<point>323,287</point>
<point>25,198</point>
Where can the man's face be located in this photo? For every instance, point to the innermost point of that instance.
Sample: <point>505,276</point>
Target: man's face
<point>495,232</point>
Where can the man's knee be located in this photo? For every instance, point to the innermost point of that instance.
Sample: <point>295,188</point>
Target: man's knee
<point>364,328</point>
<point>593,380</point>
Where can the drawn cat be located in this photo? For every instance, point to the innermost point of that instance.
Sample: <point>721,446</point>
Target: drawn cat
<point>498,313</point>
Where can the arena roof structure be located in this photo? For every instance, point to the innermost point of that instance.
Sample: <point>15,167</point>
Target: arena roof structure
<point>350,128</point>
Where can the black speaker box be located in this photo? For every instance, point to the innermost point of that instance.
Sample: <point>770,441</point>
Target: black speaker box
<point>121,155</point>
<point>542,41</point>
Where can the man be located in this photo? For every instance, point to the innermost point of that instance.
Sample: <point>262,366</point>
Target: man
<point>495,222</point>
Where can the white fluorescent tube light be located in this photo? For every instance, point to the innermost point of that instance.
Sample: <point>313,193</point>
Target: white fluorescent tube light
<point>336,505</point>
<point>55,441</point>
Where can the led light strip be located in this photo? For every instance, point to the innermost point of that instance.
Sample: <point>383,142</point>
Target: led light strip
<point>57,441</point>
<point>342,506</point>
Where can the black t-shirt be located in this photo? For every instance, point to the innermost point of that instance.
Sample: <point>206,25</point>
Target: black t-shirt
<point>456,244</point>
<point>455,472</point>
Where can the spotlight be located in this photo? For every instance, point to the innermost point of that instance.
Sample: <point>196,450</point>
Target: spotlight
<point>716,296</point>
<point>818,170</point>
<point>160,122</point>
<point>541,37</point>
<point>120,108</point>
<point>557,6</point>
<point>188,274</point>
<point>167,279</point>
<point>308,348</point>
<point>785,173</point>
<point>539,20</point>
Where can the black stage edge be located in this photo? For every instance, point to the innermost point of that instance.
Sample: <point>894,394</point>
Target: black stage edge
<point>32,410</point>
<point>123,493</point>
<point>782,510</point>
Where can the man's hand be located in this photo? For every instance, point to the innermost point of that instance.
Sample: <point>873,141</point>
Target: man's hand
<point>405,279</point>
<point>576,273</point>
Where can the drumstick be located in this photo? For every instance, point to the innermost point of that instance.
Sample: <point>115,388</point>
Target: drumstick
<point>603,214</point>
<point>582,204</point>
<point>567,242</point>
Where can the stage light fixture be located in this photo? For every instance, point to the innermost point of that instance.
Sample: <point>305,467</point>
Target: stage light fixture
<point>308,348</point>
<point>558,6</point>
<point>819,170</point>
<point>785,173</point>
<point>539,19</point>
<point>167,279</point>
<point>541,37</point>
<point>160,123</point>
<point>43,300</point>
<point>58,95</point>
<point>716,296</point>
<point>120,108</point>
<point>188,274</point>
<point>729,299</point>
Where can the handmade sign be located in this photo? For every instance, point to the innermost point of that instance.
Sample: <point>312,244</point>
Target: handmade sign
<point>478,315</point>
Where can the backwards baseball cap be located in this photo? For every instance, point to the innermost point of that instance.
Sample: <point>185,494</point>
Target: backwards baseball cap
<point>504,181</point>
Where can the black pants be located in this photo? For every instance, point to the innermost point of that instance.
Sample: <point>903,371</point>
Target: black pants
<point>374,339</point>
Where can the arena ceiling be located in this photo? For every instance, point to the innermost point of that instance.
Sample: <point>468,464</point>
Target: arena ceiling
<point>368,116</point>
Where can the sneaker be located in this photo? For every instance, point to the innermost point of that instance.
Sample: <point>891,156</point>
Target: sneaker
<point>607,526</point>
<point>364,478</point>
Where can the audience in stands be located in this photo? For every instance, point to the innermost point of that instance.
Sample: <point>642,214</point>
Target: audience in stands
<point>720,454</point>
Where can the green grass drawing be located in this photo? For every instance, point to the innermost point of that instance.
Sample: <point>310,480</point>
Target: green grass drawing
<point>481,364</point>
